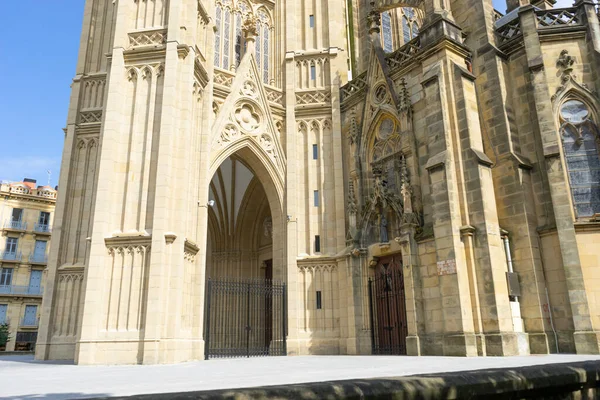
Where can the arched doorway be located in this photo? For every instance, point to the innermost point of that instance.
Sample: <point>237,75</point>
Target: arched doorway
<point>245,293</point>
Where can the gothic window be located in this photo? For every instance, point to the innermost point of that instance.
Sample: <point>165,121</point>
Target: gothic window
<point>398,26</point>
<point>581,145</point>
<point>263,44</point>
<point>218,20</point>
<point>386,32</point>
<point>229,38</point>
<point>226,26</point>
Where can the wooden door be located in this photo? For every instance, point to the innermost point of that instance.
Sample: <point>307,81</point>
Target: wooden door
<point>388,307</point>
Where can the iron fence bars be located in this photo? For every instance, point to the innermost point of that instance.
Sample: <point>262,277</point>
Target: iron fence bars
<point>245,318</point>
<point>388,311</point>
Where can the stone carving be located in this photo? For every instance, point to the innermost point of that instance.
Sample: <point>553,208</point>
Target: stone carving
<point>565,64</point>
<point>249,89</point>
<point>90,117</point>
<point>374,19</point>
<point>247,117</point>
<point>268,227</point>
<point>312,268</point>
<point>383,233</point>
<point>249,26</point>
<point>313,97</point>
<point>128,249</point>
<point>229,134</point>
<point>148,38</point>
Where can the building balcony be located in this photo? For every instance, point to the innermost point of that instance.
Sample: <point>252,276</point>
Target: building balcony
<point>38,259</point>
<point>42,229</point>
<point>13,225</point>
<point>11,256</point>
<point>29,323</point>
<point>14,290</point>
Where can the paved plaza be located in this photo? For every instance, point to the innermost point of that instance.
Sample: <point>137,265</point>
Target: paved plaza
<point>22,377</point>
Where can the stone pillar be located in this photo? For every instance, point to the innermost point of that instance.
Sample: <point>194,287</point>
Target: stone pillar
<point>459,338</point>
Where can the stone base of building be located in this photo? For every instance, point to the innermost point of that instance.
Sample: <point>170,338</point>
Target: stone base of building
<point>507,344</point>
<point>587,342</point>
<point>139,352</point>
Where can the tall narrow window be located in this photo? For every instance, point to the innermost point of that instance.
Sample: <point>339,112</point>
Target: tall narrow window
<point>258,46</point>
<point>3,312</point>
<point>44,218</point>
<point>238,38</point>
<point>319,300</point>
<point>317,244</point>
<point>6,277</point>
<point>311,21</point>
<point>316,198</point>
<point>581,141</point>
<point>265,64</point>
<point>315,152</point>
<point>226,33</point>
<point>313,72</point>
<point>218,17</point>
<point>405,29</point>
<point>386,32</point>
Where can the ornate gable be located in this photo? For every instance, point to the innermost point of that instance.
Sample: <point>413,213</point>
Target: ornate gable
<point>380,95</point>
<point>246,115</point>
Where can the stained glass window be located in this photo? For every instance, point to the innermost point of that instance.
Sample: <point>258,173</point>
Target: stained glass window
<point>265,64</point>
<point>405,29</point>
<point>238,38</point>
<point>386,32</point>
<point>218,37</point>
<point>258,46</point>
<point>580,139</point>
<point>226,33</point>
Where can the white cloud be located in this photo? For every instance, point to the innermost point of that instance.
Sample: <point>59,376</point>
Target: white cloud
<point>17,168</point>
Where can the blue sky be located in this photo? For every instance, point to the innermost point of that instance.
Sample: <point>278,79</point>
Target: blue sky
<point>39,40</point>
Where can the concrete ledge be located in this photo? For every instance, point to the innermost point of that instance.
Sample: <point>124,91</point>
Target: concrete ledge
<point>564,381</point>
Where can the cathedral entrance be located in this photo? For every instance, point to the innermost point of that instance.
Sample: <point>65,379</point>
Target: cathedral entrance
<point>245,306</point>
<point>388,307</point>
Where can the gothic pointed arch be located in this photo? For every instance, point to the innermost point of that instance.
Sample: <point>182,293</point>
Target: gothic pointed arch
<point>245,121</point>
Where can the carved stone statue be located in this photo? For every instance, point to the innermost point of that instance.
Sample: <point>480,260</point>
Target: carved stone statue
<point>383,233</point>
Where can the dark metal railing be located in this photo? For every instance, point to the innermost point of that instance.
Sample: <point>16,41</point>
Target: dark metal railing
<point>245,318</point>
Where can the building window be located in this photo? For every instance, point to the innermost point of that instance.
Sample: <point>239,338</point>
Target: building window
<point>17,214</point>
<point>315,152</point>
<point>317,244</point>
<point>386,32</point>
<point>5,277</point>
<point>313,73</point>
<point>398,26</point>
<point>319,300</point>
<point>44,218</point>
<point>3,312</point>
<point>11,245</point>
<point>311,21</point>
<point>316,198</point>
<point>229,40</point>
<point>581,144</point>
<point>30,317</point>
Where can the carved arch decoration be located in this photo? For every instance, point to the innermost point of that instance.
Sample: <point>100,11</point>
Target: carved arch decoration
<point>245,121</point>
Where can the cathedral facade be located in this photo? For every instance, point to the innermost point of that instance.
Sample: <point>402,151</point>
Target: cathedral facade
<point>415,177</point>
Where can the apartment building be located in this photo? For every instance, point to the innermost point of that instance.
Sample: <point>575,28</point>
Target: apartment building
<point>26,212</point>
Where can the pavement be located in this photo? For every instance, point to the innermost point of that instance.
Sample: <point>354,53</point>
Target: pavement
<point>21,377</point>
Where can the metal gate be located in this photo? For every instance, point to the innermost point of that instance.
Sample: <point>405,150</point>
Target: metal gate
<point>388,308</point>
<point>245,318</point>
